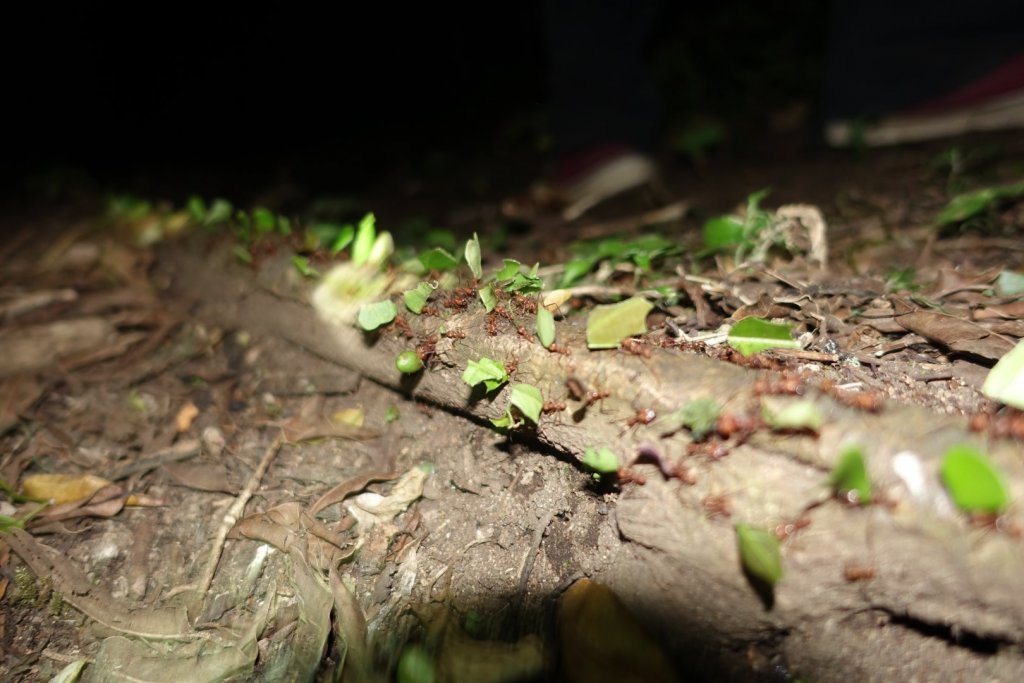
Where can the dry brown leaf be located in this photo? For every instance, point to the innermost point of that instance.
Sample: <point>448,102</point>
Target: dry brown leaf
<point>289,527</point>
<point>347,488</point>
<point>62,488</point>
<point>602,641</point>
<point>17,394</point>
<point>1010,311</point>
<point>36,347</point>
<point>956,333</point>
<point>202,476</point>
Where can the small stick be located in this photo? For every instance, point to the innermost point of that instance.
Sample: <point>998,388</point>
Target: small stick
<point>234,512</point>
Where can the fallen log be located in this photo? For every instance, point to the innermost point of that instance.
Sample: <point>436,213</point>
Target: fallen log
<point>909,590</point>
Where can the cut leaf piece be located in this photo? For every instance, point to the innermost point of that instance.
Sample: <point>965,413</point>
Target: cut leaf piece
<point>415,299</point>
<point>545,327</point>
<point>1010,283</point>
<point>722,231</point>
<point>796,415</point>
<point>970,204</point>
<point>759,553</point>
<point>752,335</point>
<point>528,400</point>
<point>602,460</point>
<point>699,416</point>
<point>973,482</point>
<point>473,257</point>
<point>366,234</point>
<point>371,316</point>
<point>487,298</point>
<point>301,264</point>
<point>1005,381</point>
<point>850,476</point>
<point>408,362</point>
<point>609,324</point>
<point>487,370</point>
<point>438,259</point>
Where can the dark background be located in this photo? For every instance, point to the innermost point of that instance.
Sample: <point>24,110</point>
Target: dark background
<point>347,92</point>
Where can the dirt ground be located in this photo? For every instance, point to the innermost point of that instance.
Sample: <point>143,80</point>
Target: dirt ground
<point>439,531</point>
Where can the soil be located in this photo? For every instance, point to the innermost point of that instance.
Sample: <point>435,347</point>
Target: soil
<point>197,383</point>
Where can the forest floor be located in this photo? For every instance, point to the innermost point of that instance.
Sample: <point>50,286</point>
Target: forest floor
<point>387,518</point>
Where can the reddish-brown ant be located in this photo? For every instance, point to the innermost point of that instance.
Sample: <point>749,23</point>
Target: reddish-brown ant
<point>552,407</point>
<point>712,450</point>
<point>635,347</point>
<point>858,572</point>
<point>430,310</point>
<point>525,304</point>
<point>457,333</point>
<point>555,348</point>
<point>787,529</point>
<point>512,365</point>
<point>425,349</point>
<point>784,384</point>
<point>867,401</point>
<point>627,476</point>
<point>716,506</point>
<point>503,312</point>
<point>524,333</point>
<point>457,301</point>
<point>1007,423</point>
<point>669,470</point>
<point>492,324</point>
<point>403,327</point>
<point>644,416</point>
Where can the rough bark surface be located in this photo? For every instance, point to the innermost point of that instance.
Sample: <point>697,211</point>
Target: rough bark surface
<point>943,603</point>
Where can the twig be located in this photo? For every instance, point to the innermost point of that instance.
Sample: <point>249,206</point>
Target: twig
<point>234,512</point>
<point>531,556</point>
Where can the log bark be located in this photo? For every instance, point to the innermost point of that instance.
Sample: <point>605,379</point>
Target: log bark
<point>943,599</point>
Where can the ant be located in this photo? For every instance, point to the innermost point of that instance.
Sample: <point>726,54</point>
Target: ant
<point>552,407</point>
<point>644,416</point>
<point>457,333</point>
<point>430,310</point>
<point>648,453</point>
<point>635,347</point>
<point>403,327</point>
<point>625,475</point>
<point>503,312</point>
<point>426,349</point>
<point>555,348</point>
<point>522,332</point>
<point>457,301</point>
<point>858,572</point>
<point>787,529</point>
<point>492,324</point>
<point>512,365</point>
<point>716,506</point>
<point>579,392</point>
<point>866,401</point>
<point>779,385</point>
<point>525,304</point>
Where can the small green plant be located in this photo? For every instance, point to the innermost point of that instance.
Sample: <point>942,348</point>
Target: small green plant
<point>972,204</point>
<point>973,482</point>
<point>752,335</point>
<point>744,234</point>
<point>759,553</point>
<point>641,252</point>
<point>849,478</point>
<point>408,362</point>
<point>487,371</point>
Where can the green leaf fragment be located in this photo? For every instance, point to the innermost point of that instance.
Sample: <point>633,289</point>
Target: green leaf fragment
<point>391,414</point>
<point>699,416</point>
<point>488,298</point>
<point>601,460</point>
<point>1005,381</point>
<point>784,414</point>
<point>721,232</point>
<point>366,235</point>
<point>506,421</point>
<point>752,335</point>
<point>528,400</point>
<point>416,666</point>
<point>342,238</point>
<point>415,299</point>
<point>284,226</point>
<point>301,264</point>
<point>373,315</point>
<point>263,220</point>
<point>196,208</point>
<point>973,481</point>
<point>609,324</point>
<point>545,327</point>
<point>408,362</point>
<point>509,270</point>
<point>219,212</point>
<point>438,259</point>
<point>490,372</point>
<point>970,204</point>
<point>850,477</point>
<point>242,253</point>
<point>472,254</point>
<point>759,553</point>
<point>1010,283</point>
